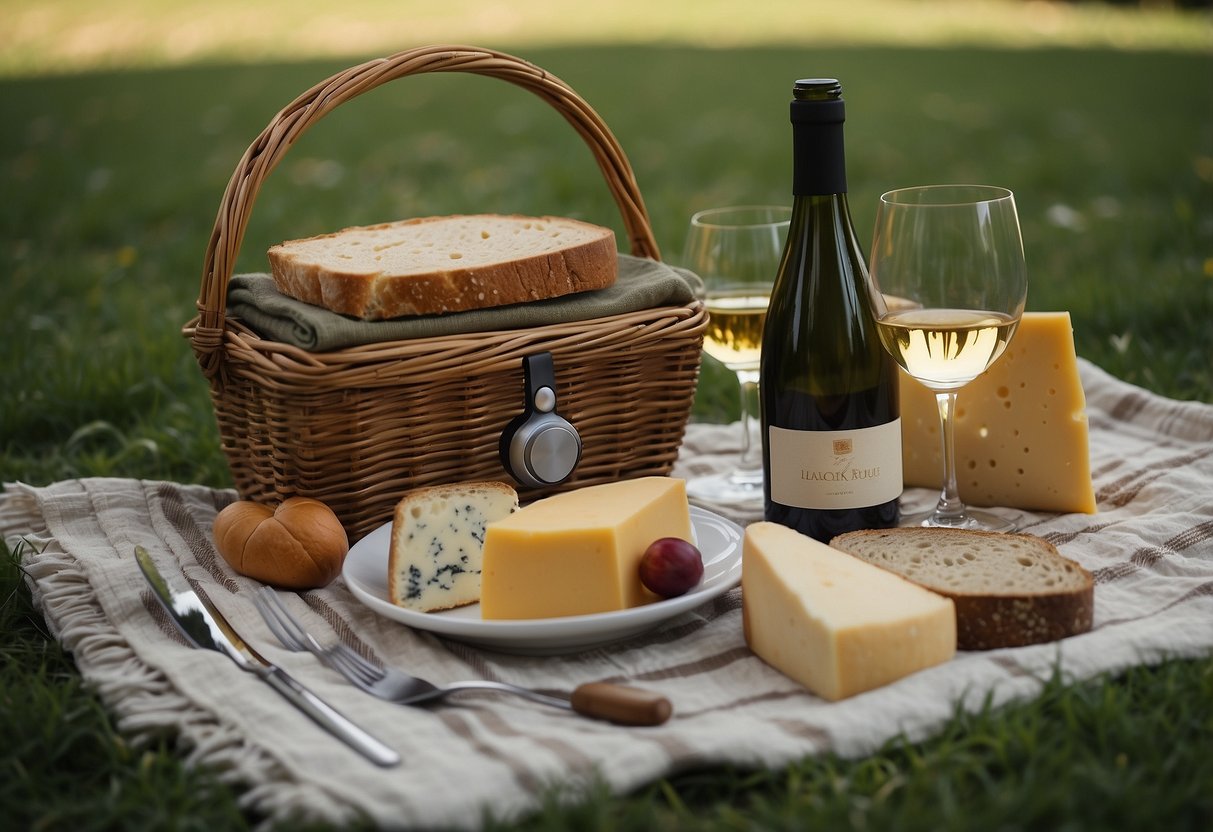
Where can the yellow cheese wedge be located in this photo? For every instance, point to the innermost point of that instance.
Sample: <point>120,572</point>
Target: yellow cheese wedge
<point>835,624</point>
<point>1021,427</point>
<point>579,552</point>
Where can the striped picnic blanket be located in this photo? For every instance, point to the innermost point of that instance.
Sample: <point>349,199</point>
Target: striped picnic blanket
<point>1150,548</point>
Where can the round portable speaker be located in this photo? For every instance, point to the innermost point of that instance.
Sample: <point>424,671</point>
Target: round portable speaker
<point>539,447</point>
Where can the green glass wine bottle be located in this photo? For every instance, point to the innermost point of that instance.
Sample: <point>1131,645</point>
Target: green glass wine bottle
<point>831,428</point>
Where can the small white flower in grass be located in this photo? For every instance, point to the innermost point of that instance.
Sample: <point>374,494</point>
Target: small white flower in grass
<point>1121,342</point>
<point>1063,216</point>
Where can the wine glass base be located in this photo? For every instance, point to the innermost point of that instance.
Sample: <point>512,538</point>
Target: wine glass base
<point>726,488</point>
<point>985,521</point>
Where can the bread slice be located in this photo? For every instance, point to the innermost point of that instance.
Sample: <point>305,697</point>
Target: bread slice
<point>437,546</point>
<point>445,264</point>
<point>1009,589</point>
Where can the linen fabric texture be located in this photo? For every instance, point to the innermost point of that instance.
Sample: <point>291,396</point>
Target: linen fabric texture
<point>641,284</point>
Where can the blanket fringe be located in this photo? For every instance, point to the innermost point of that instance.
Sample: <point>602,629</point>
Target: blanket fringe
<point>144,703</point>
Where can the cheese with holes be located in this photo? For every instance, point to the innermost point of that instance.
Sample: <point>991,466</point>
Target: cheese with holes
<point>1021,427</point>
<point>579,552</point>
<point>835,624</point>
<point>434,559</point>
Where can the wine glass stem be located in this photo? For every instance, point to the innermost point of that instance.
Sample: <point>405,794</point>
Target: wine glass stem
<point>950,505</point>
<point>749,467</point>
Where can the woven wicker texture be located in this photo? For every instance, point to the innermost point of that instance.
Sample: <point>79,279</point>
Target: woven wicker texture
<point>358,427</point>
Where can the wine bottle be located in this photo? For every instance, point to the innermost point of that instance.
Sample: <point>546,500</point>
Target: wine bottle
<point>831,427</point>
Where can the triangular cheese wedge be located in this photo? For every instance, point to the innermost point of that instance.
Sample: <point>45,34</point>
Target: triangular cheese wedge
<point>1021,427</point>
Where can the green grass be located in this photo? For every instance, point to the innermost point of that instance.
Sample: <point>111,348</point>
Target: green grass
<point>111,180</point>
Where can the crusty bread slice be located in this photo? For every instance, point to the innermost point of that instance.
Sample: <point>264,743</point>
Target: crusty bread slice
<point>437,545</point>
<point>1009,589</point>
<point>445,264</point>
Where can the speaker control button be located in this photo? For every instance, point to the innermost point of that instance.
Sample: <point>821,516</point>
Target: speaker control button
<point>545,399</point>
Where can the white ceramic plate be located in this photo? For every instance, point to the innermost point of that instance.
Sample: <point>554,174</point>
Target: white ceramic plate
<point>719,540</point>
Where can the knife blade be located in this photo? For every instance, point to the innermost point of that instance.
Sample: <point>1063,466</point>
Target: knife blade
<point>205,627</point>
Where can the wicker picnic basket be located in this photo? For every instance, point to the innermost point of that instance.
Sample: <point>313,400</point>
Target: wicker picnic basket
<point>359,426</point>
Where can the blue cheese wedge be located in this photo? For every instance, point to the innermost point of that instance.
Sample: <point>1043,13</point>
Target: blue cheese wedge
<point>434,562</point>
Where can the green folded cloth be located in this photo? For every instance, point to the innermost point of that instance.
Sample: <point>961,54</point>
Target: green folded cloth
<point>641,284</point>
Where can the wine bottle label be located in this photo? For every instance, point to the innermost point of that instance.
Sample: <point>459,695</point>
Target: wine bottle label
<point>835,469</point>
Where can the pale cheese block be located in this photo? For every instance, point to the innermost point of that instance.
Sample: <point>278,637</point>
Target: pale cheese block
<point>579,552</point>
<point>437,545</point>
<point>833,623</point>
<point>1021,427</point>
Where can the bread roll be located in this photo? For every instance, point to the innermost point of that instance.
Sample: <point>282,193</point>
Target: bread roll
<point>299,545</point>
<point>1009,589</point>
<point>445,264</point>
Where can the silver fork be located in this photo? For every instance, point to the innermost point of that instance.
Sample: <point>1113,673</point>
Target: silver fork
<point>601,700</point>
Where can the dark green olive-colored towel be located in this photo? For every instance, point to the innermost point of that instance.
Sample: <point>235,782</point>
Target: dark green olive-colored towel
<point>641,284</point>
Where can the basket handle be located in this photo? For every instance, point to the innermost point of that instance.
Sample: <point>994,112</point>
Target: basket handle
<point>290,123</point>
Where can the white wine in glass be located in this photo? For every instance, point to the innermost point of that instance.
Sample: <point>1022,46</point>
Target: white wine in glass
<point>947,288</point>
<point>736,251</point>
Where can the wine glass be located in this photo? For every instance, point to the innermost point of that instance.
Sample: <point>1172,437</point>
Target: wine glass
<point>947,284</point>
<point>736,251</point>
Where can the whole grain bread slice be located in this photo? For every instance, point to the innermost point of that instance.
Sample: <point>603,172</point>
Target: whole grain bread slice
<point>1009,589</point>
<point>434,265</point>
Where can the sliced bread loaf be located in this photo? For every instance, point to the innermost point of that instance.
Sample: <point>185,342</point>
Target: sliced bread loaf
<point>1009,589</point>
<point>445,264</point>
<point>437,545</point>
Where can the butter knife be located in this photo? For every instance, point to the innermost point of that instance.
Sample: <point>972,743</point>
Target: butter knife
<point>204,626</point>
